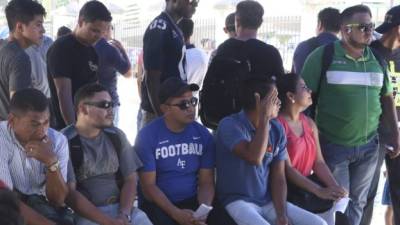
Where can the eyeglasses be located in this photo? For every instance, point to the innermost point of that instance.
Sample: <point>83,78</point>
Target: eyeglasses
<point>101,104</point>
<point>185,104</point>
<point>363,27</point>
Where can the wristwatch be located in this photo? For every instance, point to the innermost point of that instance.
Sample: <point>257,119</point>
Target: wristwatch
<point>54,167</point>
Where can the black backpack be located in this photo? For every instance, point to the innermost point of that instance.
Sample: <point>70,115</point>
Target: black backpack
<point>76,153</point>
<point>327,57</point>
<point>219,96</point>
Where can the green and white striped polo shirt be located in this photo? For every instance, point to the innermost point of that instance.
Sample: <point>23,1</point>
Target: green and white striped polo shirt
<point>349,105</point>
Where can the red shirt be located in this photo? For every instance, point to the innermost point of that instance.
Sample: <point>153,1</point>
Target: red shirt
<point>302,150</point>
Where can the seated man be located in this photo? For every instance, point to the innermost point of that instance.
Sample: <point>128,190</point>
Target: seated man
<point>249,145</point>
<point>34,159</point>
<point>178,159</point>
<point>102,172</point>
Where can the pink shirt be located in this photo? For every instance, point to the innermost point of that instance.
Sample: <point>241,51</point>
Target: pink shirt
<point>302,150</point>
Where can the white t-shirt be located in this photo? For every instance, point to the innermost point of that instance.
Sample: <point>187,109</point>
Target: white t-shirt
<point>196,65</point>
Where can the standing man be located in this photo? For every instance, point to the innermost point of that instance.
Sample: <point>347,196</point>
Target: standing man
<point>37,56</point>
<point>25,22</point>
<point>229,30</point>
<point>352,95</point>
<point>178,159</point>
<point>196,59</point>
<point>72,61</point>
<point>103,179</point>
<point>163,54</point>
<point>389,48</point>
<point>34,158</point>
<point>112,59</point>
<point>327,29</point>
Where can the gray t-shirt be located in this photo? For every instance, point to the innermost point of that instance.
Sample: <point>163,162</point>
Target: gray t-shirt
<point>15,73</point>
<point>39,70</point>
<point>96,178</point>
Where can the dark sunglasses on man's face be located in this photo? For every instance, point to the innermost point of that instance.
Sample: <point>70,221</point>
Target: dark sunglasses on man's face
<point>185,104</point>
<point>363,27</point>
<point>101,104</point>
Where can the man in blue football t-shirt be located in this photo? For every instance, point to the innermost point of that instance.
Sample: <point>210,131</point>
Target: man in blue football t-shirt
<point>178,156</point>
<point>163,54</point>
<point>251,154</point>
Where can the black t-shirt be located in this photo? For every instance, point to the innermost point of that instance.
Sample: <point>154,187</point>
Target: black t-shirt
<point>68,58</point>
<point>264,58</point>
<point>163,50</point>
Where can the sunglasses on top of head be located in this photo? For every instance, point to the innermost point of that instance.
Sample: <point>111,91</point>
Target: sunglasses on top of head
<point>101,104</point>
<point>185,104</point>
<point>363,27</point>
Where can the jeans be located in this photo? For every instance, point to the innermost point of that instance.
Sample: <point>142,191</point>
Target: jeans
<point>353,168</point>
<point>369,207</point>
<point>138,217</point>
<point>60,215</point>
<point>247,213</point>
<point>146,117</point>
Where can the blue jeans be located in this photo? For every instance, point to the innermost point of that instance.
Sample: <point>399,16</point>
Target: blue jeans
<point>138,216</point>
<point>245,213</point>
<point>353,168</point>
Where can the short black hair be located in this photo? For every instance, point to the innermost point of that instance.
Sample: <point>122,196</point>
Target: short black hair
<point>257,84</point>
<point>287,83</point>
<point>230,22</point>
<point>348,13</point>
<point>94,10</point>
<point>250,14</point>
<point>22,11</point>
<point>87,91</point>
<point>186,26</point>
<point>28,100</point>
<point>330,19</point>
<point>9,208</point>
<point>63,30</point>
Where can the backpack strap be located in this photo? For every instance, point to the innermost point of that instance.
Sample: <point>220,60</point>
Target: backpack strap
<point>116,142</point>
<point>382,62</point>
<point>327,57</point>
<point>313,43</point>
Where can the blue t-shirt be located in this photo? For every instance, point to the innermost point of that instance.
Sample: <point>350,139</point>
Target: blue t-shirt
<point>175,157</point>
<point>111,60</point>
<point>163,50</point>
<point>236,178</point>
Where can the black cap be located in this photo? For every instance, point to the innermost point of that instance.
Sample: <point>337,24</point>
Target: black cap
<point>174,87</point>
<point>392,19</point>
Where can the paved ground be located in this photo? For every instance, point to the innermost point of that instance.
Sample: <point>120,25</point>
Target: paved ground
<point>129,107</point>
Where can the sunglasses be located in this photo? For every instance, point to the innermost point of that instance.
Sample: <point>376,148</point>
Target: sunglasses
<point>101,104</point>
<point>363,27</point>
<point>185,104</point>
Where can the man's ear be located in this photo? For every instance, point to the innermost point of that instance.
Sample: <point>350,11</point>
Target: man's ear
<point>19,27</point>
<point>80,21</point>
<point>82,108</point>
<point>11,119</point>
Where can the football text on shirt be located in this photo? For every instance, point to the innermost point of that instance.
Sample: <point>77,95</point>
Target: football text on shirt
<point>179,150</point>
